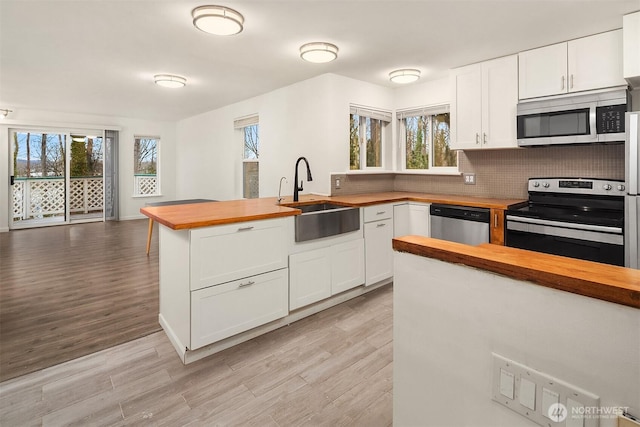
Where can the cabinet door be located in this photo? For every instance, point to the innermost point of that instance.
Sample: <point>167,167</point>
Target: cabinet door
<point>595,62</point>
<point>309,277</point>
<point>631,46</point>
<point>543,71</point>
<point>419,218</point>
<point>401,221</point>
<point>466,107</point>
<point>499,102</point>
<point>347,266</point>
<point>378,251</point>
<point>228,252</point>
<point>218,312</point>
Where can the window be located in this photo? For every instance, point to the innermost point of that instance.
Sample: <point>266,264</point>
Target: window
<point>424,135</point>
<point>250,155</point>
<point>145,171</point>
<point>368,129</point>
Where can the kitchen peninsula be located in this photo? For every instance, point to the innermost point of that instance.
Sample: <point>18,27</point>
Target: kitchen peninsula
<point>575,321</point>
<point>225,267</point>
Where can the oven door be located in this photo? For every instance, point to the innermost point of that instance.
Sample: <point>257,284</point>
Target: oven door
<point>583,241</point>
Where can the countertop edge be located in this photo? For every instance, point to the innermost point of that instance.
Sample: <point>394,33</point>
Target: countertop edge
<point>220,221</point>
<point>492,258</point>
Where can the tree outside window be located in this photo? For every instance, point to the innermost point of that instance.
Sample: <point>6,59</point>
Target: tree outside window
<point>427,142</point>
<point>250,164</point>
<point>366,139</point>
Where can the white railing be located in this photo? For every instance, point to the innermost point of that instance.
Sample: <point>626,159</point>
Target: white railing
<point>145,184</point>
<point>44,197</point>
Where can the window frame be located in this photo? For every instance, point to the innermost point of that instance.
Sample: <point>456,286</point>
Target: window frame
<point>241,125</point>
<point>401,115</point>
<point>385,118</point>
<point>158,192</point>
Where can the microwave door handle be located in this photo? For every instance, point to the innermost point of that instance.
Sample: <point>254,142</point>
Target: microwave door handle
<point>592,122</point>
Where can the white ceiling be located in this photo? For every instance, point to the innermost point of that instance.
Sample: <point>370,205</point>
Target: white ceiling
<point>99,56</point>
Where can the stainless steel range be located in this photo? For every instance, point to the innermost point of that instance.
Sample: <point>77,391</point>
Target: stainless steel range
<point>574,217</point>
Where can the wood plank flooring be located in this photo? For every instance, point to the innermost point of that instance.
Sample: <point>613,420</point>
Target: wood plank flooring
<point>69,291</point>
<point>333,368</point>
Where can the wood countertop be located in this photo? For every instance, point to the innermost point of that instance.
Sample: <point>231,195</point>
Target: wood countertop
<point>186,216</point>
<point>606,282</point>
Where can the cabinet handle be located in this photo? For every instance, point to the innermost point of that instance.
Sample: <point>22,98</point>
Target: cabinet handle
<point>381,212</point>
<point>381,224</point>
<point>245,228</point>
<point>562,88</point>
<point>571,84</point>
<point>477,138</point>
<point>484,137</point>
<point>244,285</point>
<point>495,220</point>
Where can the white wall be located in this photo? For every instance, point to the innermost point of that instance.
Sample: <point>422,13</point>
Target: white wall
<point>129,206</point>
<point>430,93</point>
<point>448,318</point>
<point>309,118</point>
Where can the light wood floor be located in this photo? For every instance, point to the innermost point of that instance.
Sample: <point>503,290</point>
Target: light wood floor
<point>69,291</point>
<point>333,368</point>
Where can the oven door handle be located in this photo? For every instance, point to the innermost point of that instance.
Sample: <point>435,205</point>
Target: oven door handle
<point>562,224</point>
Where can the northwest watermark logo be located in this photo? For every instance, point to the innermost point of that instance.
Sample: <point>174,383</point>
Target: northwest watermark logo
<point>557,412</point>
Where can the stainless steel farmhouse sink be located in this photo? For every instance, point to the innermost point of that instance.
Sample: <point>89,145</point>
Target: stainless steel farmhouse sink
<point>325,219</point>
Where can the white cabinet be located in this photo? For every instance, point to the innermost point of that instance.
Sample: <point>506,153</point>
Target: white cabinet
<point>218,312</point>
<point>347,266</point>
<point>411,218</point>
<point>378,233</point>
<point>631,48</point>
<point>587,63</point>
<point>309,277</point>
<point>229,252</point>
<point>317,274</point>
<point>483,108</point>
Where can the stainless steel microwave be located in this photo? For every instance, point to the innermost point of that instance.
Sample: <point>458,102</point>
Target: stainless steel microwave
<point>573,119</point>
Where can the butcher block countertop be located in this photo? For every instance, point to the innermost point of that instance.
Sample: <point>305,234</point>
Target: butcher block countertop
<point>606,282</point>
<point>186,216</point>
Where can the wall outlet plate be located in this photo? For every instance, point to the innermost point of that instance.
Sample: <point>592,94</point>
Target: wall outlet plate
<point>469,178</point>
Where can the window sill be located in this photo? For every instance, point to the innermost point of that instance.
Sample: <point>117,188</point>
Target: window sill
<point>429,172</point>
<point>369,172</point>
<point>145,196</point>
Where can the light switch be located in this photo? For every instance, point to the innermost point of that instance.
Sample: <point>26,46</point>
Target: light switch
<point>507,380</point>
<point>527,393</point>
<point>549,398</point>
<point>574,413</point>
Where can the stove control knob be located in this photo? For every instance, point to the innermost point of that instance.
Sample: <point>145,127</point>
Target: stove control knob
<point>620,187</point>
<point>536,184</point>
<point>545,184</point>
<point>606,187</point>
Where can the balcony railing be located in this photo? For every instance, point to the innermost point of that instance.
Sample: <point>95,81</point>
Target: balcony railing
<point>45,197</point>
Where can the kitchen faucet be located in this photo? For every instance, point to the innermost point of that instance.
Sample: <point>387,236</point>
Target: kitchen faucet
<point>295,179</point>
<point>280,188</point>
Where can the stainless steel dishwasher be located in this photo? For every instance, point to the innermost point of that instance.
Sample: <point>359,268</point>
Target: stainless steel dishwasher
<point>460,224</point>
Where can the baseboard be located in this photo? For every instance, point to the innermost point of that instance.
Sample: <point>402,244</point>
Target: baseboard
<point>4,229</point>
<point>131,217</point>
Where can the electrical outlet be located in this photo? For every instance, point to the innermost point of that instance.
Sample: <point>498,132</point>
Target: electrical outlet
<point>337,182</point>
<point>469,178</point>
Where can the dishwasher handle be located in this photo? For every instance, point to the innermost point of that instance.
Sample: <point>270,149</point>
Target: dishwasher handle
<point>466,213</point>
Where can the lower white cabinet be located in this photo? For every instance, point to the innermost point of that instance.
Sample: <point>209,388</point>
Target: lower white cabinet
<point>317,274</point>
<point>220,311</point>
<point>378,250</point>
<point>411,218</point>
<point>347,266</point>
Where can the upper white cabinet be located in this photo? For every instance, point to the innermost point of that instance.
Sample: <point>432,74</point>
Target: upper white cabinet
<point>587,63</point>
<point>483,108</point>
<point>631,48</point>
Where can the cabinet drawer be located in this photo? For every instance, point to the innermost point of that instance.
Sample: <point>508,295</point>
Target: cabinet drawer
<point>378,212</point>
<point>221,311</point>
<point>230,252</point>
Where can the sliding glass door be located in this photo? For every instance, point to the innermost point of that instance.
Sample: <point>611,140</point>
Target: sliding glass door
<point>57,177</point>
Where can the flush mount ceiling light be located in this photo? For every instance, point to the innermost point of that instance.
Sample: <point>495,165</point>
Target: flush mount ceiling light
<point>405,75</point>
<point>218,20</point>
<point>318,52</point>
<point>169,80</point>
<point>4,113</point>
